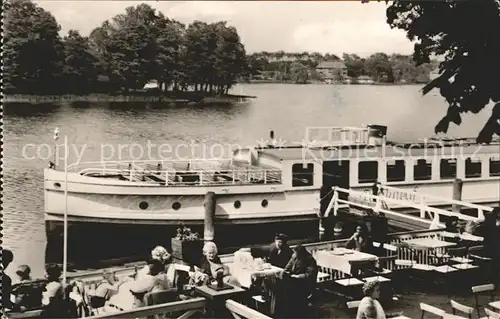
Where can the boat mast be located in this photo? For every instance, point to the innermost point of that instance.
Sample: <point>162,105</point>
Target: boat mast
<point>65,230</point>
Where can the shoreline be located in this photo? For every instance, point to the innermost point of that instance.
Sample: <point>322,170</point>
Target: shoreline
<point>324,83</point>
<point>194,98</point>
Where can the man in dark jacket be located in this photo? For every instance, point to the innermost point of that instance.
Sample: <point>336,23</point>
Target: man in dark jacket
<point>279,252</point>
<point>302,271</point>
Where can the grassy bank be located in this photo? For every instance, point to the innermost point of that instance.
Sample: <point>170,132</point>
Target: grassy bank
<point>175,98</point>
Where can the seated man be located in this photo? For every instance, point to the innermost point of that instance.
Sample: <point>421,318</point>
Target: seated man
<point>279,253</point>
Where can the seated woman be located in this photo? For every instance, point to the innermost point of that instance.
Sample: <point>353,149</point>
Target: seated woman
<point>360,240</point>
<point>108,287</point>
<point>369,307</point>
<point>211,266</point>
<point>157,280</point>
<point>161,254</point>
<point>53,299</point>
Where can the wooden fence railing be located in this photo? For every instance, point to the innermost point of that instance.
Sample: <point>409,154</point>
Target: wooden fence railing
<point>183,310</point>
<point>93,277</point>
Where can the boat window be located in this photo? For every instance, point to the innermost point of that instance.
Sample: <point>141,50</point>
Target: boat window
<point>448,168</point>
<point>472,167</point>
<point>396,171</point>
<point>302,175</point>
<point>494,167</point>
<point>422,171</point>
<point>367,172</point>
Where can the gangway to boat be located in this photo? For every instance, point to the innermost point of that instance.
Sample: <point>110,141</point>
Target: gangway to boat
<point>423,200</point>
<point>429,216</point>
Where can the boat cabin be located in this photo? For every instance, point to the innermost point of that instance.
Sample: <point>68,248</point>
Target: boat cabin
<point>360,157</point>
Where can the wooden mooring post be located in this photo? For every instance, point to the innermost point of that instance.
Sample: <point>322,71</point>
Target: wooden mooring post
<point>457,194</point>
<point>209,227</point>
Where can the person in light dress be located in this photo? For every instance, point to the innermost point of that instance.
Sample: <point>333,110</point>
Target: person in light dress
<point>370,307</point>
<point>161,254</point>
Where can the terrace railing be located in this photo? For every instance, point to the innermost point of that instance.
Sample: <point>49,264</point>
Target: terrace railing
<point>183,309</point>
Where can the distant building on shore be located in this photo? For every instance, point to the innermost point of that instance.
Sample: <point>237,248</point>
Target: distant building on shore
<point>332,71</point>
<point>362,79</point>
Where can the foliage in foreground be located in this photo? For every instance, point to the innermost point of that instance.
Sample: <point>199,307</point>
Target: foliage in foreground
<point>467,34</point>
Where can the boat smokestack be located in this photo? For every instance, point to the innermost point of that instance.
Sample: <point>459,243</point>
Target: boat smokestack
<point>272,139</point>
<point>377,134</point>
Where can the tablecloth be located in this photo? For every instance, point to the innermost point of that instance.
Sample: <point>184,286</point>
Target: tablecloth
<point>246,276</point>
<point>342,262</point>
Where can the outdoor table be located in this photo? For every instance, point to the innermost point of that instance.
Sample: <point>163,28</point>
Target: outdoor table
<point>216,299</point>
<point>495,304</point>
<point>246,276</point>
<point>428,243</point>
<point>433,244</point>
<point>342,259</point>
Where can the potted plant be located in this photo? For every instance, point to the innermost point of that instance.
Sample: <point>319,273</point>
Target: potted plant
<point>187,246</point>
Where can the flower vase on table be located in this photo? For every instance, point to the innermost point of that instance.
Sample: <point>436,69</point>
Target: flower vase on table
<point>187,246</point>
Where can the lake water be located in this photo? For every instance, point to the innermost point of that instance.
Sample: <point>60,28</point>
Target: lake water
<point>98,129</point>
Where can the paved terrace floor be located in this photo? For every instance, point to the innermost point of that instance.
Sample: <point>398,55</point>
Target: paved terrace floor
<point>327,306</point>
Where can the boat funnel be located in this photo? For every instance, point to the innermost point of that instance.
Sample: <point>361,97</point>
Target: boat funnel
<point>377,134</point>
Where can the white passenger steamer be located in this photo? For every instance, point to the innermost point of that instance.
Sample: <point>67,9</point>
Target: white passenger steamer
<point>137,203</point>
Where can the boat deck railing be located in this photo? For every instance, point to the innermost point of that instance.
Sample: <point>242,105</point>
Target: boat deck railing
<point>185,173</point>
<point>323,136</point>
<point>194,164</point>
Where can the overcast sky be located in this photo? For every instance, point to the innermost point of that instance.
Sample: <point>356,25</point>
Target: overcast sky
<point>326,27</point>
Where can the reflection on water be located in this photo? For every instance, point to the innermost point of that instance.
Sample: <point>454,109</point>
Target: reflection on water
<point>286,109</point>
<point>28,109</point>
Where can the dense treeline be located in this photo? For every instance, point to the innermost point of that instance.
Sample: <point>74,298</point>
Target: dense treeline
<point>123,54</point>
<point>300,67</point>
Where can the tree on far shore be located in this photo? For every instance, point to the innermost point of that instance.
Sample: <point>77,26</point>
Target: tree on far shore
<point>130,49</point>
<point>33,51</point>
<point>466,33</point>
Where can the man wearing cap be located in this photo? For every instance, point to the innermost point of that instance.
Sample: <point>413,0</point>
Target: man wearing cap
<point>279,253</point>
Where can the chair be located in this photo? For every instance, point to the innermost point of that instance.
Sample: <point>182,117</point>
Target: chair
<point>462,308</point>
<point>491,314</point>
<point>161,297</point>
<point>432,310</point>
<point>476,290</point>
